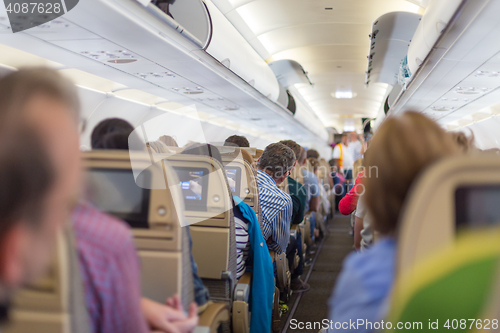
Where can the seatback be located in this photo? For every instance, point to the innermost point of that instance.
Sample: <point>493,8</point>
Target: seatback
<point>462,281</point>
<point>256,204</point>
<point>251,151</point>
<point>258,154</point>
<point>324,171</point>
<point>147,196</point>
<point>247,156</point>
<point>212,223</point>
<point>237,164</point>
<point>55,303</point>
<point>462,190</point>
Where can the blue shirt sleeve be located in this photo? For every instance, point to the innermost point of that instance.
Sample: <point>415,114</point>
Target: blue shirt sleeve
<point>362,289</point>
<point>351,302</point>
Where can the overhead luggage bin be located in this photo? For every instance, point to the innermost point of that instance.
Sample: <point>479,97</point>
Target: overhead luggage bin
<point>124,42</point>
<point>433,22</point>
<point>459,75</point>
<point>389,41</point>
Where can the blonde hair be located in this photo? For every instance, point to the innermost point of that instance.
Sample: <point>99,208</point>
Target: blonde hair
<point>464,142</point>
<point>400,150</point>
<point>168,141</point>
<point>157,147</point>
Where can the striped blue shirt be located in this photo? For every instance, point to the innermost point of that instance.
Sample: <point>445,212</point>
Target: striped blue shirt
<point>277,209</point>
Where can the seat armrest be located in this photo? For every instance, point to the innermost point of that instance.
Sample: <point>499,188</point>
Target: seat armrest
<point>246,278</point>
<point>212,318</point>
<point>242,293</point>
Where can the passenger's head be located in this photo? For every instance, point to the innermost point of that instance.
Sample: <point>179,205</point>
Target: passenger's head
<point>237,140</point>
<point>297,149</point>
<point>168,141</point>
<point>345,139</point>
<point>157,147</point>
<point>203,149</point>
<point>353,136</point>
<point>466,143</point>
<point>40,170</point>
<point>400,150</point>
<point>277,160</point>
<point>302,158</point>
<point>115,133</point>
<point>314,164</point>
<point>311,153</point>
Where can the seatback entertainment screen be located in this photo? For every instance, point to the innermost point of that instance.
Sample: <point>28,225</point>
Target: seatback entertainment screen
<point>194,187</point>
<point>234,179</point>
<point>477,206</point>
<point>115,192</point>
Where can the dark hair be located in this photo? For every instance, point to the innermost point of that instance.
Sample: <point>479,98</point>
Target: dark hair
<point>203,149</point>
<point>26,170</point>
<point>114,133</point>
<point>311,153</point>
<point>278,159</point>
<point>297,149</point>
<point>237,140</point>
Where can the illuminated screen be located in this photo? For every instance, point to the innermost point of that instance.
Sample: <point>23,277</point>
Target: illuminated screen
<point>477,206</point>
<point>234,179</point>
<point>115,192</point>
<point>194,186</point>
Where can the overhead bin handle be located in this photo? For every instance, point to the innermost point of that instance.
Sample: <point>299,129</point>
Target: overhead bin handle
<point>159,14</point>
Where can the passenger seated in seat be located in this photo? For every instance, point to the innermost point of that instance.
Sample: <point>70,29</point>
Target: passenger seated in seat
<point>168,141</point>
<point>392,165</point>
<point>157,147</point>
<point>273,167</point>
<point>115,133</point>
<point>237,140</point>
<point>311,185</point>
<point>466,143</point>
<point>39,172</point>
<point>311,153</point>
<point>299,196</point>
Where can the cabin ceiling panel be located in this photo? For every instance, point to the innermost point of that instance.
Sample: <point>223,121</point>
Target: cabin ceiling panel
<point>307,35</point>
<point>330,44</point>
